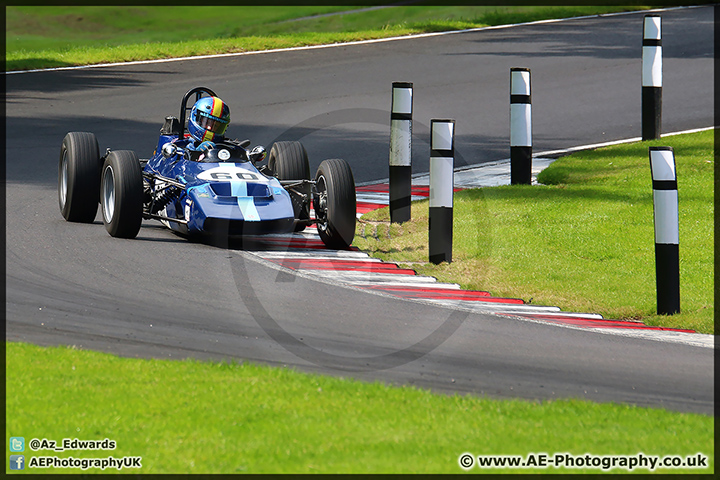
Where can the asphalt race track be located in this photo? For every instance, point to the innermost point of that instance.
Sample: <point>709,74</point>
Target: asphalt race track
<point>162,296</point>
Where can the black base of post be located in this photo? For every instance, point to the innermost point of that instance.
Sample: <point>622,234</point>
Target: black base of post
<point>520,165</point>
<point>651,112</point>
<point>667,271</point>
<point>400,193</point>
<point>440,234</point>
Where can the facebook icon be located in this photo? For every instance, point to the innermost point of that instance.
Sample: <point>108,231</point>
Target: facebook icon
<point>17,462</point>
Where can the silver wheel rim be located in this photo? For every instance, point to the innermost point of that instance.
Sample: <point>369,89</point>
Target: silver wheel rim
<point>108,194</point>
<point>63,179</point>
<point>321,187</point>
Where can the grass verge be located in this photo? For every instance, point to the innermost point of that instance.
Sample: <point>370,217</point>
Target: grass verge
<point>45,36</point>
<point>201,417</point>
<point>583,242</point>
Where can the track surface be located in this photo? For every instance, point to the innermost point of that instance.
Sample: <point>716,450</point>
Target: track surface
<point>162,296</point>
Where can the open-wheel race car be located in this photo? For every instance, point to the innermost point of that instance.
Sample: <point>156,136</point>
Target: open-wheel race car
<point>200,182</point>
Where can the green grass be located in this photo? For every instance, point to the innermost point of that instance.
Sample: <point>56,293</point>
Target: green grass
<point>200,417</point>
<point>45,36</point>
<point>584,242</point>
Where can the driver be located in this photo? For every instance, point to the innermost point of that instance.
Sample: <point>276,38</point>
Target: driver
<point>209,118</point>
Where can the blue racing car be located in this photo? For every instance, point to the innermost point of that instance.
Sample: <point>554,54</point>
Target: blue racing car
<point>202,183</point>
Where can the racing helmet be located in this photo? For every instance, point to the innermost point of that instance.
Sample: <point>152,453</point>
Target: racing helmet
<point>209,118</point>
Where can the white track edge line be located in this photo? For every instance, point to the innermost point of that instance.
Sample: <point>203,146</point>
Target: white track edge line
<point>494,163</point>
<point>692,339</point>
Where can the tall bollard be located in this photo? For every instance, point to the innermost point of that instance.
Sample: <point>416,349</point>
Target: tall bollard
<point>401,152</point>
<point>652,77</point>
<point>520,127</point>
<point>667,234</point>
<point>442,156</point>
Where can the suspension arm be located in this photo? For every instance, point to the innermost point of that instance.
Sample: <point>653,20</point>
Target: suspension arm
<point>169,181</point>
<point>147,215</point>
<point>296,183</point>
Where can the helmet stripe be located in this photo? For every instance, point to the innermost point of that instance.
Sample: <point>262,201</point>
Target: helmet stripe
<point>217,107</point>
<point>208,135</point>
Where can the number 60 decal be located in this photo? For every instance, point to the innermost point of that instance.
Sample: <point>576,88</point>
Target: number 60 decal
<point>230,174</point>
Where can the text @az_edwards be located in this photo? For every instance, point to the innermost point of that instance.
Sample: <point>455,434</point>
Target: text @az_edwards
<point>71,444</point>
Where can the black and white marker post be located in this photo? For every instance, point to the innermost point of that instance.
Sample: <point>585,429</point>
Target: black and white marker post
<point>400,152</point>
<point>520,127</point>
<point>667,234</point>
<point>442,180</point>
<point>652,77</point>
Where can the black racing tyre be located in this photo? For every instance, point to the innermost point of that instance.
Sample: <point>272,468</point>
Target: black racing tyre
<point>79,177</point>
<point>121,194</point>
<point>289,161</point>
<point>334,203</point>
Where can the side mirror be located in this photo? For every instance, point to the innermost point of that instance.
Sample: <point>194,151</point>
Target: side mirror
<point>257,154</point>
<point>168,150</point>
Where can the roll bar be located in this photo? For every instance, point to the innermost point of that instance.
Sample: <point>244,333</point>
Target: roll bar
<point>198,91</point>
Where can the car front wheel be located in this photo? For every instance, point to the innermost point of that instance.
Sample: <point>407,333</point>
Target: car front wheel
<point>121,194</point>
<point>289,161</point>
<point>335,203</point>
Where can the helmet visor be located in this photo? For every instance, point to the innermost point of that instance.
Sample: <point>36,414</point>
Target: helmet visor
<point>212,124</point>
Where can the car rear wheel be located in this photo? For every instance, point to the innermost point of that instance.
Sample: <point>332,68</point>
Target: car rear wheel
<point>289,161</point>
<point>79,177</point>
<point>334,202</point>
<point>121,194</point>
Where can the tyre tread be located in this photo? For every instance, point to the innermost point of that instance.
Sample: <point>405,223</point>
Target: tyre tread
<point>83,183</point>
<point>288,160</point>
<point>342,203</point>
<point>127,215</point>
